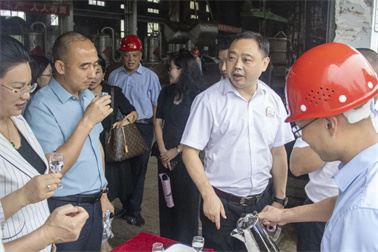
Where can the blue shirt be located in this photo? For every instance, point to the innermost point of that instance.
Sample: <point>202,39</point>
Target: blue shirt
<point>354,222</point>
<point>53,115</point>
<point>141,88</point>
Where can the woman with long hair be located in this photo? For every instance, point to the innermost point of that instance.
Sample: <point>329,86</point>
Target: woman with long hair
<point>41,70</point>
<point>178,222</point>
<point>118,174</point>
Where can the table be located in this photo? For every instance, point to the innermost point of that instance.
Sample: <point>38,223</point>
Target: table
<point>142,242</point>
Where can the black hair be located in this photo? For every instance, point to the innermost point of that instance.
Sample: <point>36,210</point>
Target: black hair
<point>12,53</point>
<point>101,62</point>
<point>62,44</point>
<point>224,43</point>
<point>38,64</point>
<point>262,42</point>
<point>191,81</point>
<point>183,50</point>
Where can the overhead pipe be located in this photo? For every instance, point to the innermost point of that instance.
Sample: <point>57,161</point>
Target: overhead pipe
<point>113,42</point>
<point>44,35</point>
<point>229,28</point>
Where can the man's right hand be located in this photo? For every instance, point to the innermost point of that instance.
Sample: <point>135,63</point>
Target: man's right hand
<point>213,209</point>
<point>98,110</point>
<point>65,224</point>
<point>271,216</point>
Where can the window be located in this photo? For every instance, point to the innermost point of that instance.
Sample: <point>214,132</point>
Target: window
<point>96,2</point>
<point>153,1</point>
<point>54,20</point>
<point>152,29</point>
<point>8,13</point>
<point>151,10</point>
<point>122,6</point>
<point>122,28</point>
<point>193,5</point>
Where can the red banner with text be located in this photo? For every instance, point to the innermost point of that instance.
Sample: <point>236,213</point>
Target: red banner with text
<point>36,8</point>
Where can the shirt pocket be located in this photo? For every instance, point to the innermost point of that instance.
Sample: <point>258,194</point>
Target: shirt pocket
<point>271,127</point>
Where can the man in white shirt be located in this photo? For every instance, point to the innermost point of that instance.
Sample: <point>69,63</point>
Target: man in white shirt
<point>239,123</point>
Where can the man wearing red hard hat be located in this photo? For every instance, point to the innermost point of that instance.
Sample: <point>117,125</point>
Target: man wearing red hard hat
<point>141,86</point>
<point>195,52</point>
<point>330,91</point>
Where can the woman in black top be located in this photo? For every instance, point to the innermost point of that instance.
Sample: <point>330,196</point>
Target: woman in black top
<point>179,222</point>
<point>118,174</point>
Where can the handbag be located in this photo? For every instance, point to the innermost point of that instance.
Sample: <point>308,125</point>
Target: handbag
<point>124,142</point>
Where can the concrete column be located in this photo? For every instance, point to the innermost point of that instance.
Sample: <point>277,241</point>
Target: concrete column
<point>66,23</point>
<point>356,23</point>
<point>131,17</point>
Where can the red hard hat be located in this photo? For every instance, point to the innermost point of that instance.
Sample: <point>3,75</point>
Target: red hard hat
<point>327,80</point>
<point>131,43</point>
<point>195,51</point>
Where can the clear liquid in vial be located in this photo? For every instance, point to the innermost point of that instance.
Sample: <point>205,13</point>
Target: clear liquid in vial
<point>198,246</point>
<point>56,166</point>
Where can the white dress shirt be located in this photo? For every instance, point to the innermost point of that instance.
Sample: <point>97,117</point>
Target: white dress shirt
<point>237,136</point>
<point>321,184</point>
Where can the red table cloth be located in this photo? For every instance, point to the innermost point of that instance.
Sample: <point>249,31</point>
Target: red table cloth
<point>142,242</point>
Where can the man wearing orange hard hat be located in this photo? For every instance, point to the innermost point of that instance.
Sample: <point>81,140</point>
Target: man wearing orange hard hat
<point>330,92</point>
<point>141,86</point>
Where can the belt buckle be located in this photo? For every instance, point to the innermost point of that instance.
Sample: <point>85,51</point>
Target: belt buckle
<point>97,198</point>
<point>245,201</point>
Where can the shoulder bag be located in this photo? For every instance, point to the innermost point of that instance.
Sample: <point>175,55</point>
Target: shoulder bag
<point>124,142</point>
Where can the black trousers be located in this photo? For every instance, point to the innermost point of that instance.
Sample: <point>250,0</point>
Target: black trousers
<point>220,240</point>
<point>180,222</point>
<point>133,202</point>
<point>91,234</point>
<point>309,234</point>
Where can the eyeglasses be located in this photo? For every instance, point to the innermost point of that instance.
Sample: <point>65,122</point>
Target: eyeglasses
<point>297,131</point>
<point>47,75</point>
<point>24,91</point>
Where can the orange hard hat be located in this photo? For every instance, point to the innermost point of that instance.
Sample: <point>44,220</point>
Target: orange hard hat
<point>131,43</point>
<point>327,80</point>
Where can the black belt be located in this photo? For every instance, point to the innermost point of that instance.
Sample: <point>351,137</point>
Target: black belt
<point>145,121</point>
<point>81,198</point>
<point>244,201</point>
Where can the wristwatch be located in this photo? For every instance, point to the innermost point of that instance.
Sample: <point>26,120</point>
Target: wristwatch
<point>179,151</point>
<point>105,190</point>
<point>281,201</point>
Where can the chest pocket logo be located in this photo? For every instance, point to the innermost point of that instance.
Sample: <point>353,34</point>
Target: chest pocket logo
<point>270,112</point>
